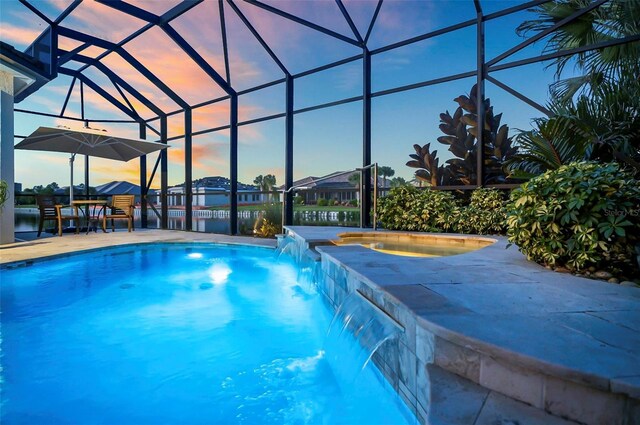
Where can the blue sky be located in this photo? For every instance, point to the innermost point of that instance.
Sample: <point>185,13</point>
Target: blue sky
<point>325,140</point>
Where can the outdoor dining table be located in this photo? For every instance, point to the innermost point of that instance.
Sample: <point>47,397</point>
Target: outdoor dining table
<point>95,208</point>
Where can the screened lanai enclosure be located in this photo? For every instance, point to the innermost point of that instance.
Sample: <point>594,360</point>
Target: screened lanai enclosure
<point>288,88</point>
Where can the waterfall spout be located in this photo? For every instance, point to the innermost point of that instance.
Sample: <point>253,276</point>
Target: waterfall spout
<point>360,320</point>
<point>286,247</point>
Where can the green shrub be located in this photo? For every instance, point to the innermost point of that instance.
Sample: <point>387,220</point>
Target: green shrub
<point>580,215</point>
<point>269,221</point>
<point>353,202</point>
<point>485,214</point>
<point>298,200</point>
<point>4,192</point>
<point>322,202</point>
<point>407,208</point>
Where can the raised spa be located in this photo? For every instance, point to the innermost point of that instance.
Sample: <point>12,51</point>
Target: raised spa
<point>414,245</point>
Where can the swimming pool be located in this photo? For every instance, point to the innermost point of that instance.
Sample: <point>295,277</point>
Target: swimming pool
<point>173,333</point>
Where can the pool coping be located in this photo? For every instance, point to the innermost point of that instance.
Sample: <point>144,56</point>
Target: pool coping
<point>581,352</point>
<point>11,255</point>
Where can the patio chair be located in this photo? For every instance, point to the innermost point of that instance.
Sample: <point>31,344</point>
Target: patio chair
<point>49,210</point>
<point>121,208</point>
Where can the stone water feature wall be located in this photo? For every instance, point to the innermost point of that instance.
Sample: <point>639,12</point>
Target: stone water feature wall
<point>401,360</point>
<point>445,377</point>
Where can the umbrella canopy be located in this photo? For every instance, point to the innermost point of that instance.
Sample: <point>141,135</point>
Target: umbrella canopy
<point>87,142</point>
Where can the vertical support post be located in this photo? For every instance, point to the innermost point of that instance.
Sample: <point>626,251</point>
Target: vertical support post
<point>7,159</point>
<point>164,175</point>
<point>287,218</point>
<point>233,165</point>
<point>375,196</point>
<point>143,182</point>
<point>188,174</point>
<point>480,99</point>
<point>360,172</point>
<point>365,180</point>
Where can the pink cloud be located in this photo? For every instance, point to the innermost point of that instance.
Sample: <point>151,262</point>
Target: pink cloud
<point>102,21</point>
<point>399,20</point>
<point>14,34</point>
<point>59,4</point>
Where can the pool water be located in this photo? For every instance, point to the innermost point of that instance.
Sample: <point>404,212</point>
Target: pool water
<point>411,245</point>
<point>168,334</point>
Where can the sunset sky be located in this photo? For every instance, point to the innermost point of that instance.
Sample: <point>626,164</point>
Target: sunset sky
<point>326,140</point>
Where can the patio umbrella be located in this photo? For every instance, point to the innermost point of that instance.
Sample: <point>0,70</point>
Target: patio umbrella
<point>87,142</point>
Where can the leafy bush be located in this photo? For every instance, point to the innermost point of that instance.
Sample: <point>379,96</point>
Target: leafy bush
<point>4,192</point>
<point>269,222</point>
<point>353,202</point>
<point>322,202</point>
<point>485,214</point>
<point>407,208</point>
<point>582,214</point>
<point>298,200</point>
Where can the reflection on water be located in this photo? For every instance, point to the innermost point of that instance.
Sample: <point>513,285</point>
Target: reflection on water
<point>27,221</point>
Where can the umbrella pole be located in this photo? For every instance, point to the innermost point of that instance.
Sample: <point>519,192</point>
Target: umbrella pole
<point>71,158</point>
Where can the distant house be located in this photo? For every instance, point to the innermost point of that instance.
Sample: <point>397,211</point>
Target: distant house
<point>123,188</point>
<point>214,191</point>
<point>334,186</point>
<point>118,188</point>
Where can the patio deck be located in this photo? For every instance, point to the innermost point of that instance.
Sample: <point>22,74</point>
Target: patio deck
<point>47,245</point>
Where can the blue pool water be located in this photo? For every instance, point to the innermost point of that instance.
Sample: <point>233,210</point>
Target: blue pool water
<point>177,334</point>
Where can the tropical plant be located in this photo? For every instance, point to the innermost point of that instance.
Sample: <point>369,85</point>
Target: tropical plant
<point>408,208</point>
<point>398,181</point>
<point>604,126</point>
<point>546,147</point>
<point>4,193</point>
<point>354,179</point>
<point>461,131</point>
<point>385,172</point>
<point>265,183</point>
<point>269,222</point>
<point>322,202</point>
<point>582,214</point>
<point>485,214</point>
<point>603,122</point>
<point>614,19</point>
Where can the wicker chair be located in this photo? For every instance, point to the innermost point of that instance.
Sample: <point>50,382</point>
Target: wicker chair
<point>49,210</point>
<point>121,208</point>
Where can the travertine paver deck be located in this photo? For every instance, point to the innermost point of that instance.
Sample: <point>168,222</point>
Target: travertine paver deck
<point>545,324</point>
<point>70,243</point>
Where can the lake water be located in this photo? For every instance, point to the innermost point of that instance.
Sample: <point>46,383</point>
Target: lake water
<point>27,221</point>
